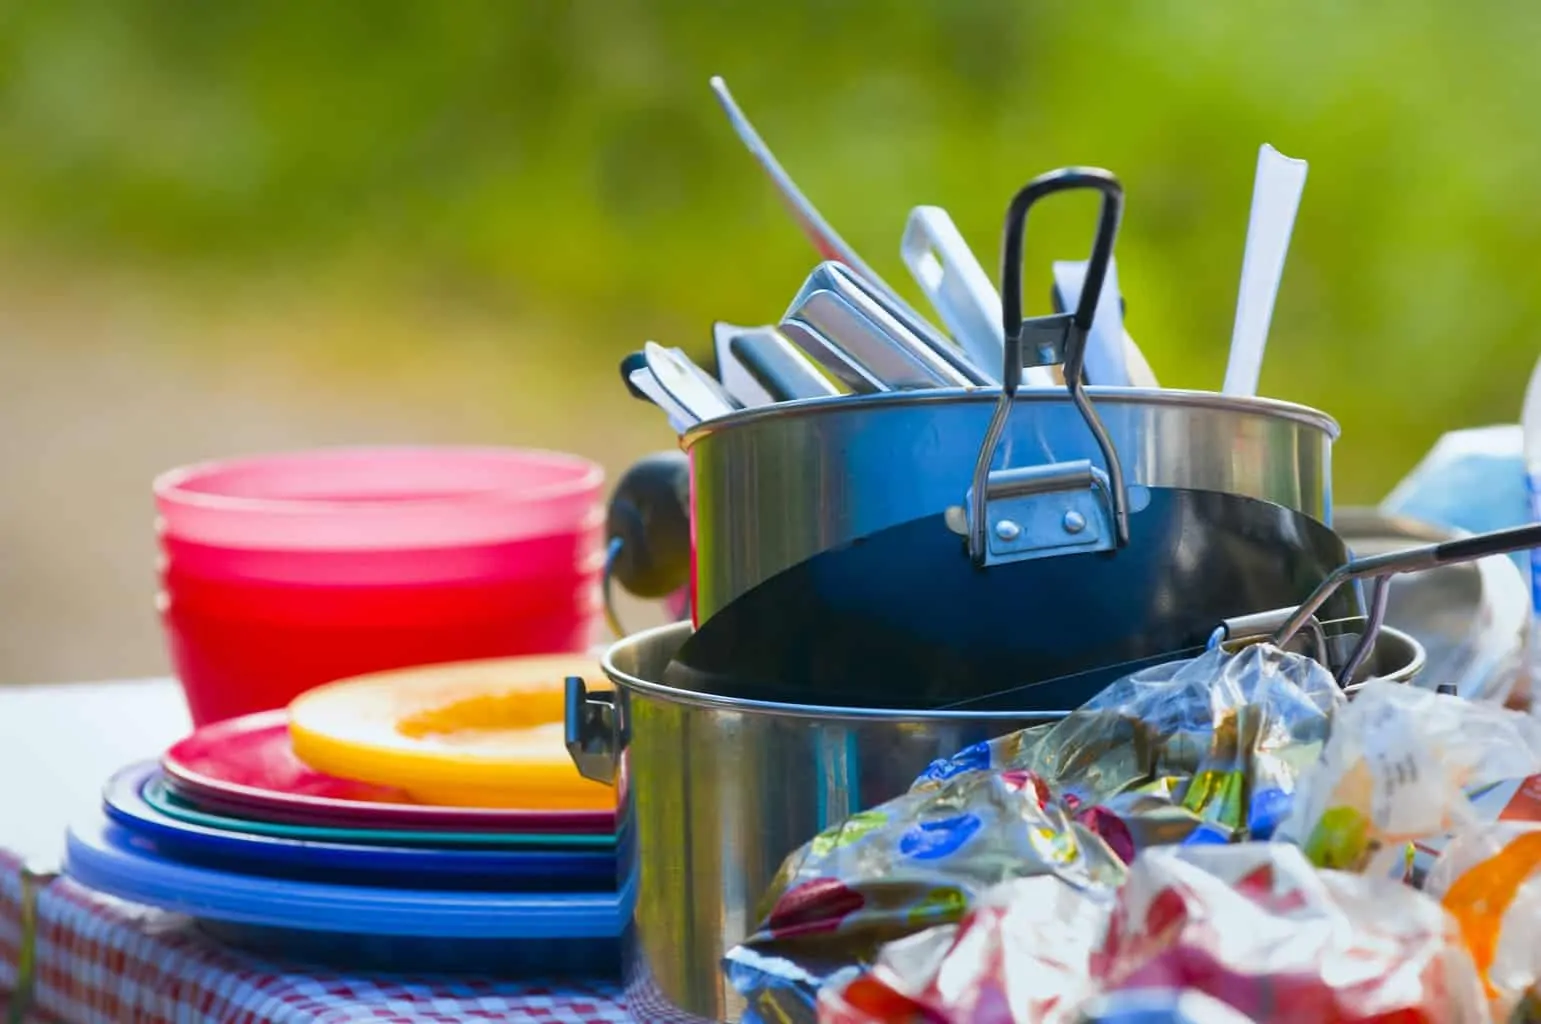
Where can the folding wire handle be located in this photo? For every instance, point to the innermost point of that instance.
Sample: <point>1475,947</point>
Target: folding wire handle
<point>1046,340</point>
<point>1382,567</point>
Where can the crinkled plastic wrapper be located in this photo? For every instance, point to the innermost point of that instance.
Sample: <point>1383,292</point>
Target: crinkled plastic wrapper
<point>1250,932</point>
<point>1398,768</point>
<point>1489,879</point>
<point>1201,751</point>
<point>917,861</point>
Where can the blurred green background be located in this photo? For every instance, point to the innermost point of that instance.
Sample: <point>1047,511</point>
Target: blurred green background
<point>229,227</point>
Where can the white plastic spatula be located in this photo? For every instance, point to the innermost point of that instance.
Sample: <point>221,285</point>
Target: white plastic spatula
<point>1112,357</point>
<point>1275,200</point>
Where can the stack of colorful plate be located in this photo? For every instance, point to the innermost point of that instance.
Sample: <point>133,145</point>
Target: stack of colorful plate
<point>231,827</point>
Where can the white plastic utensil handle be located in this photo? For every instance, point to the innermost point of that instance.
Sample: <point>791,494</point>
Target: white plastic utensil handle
<point>682,385</point>
<point>679,418</point>
<point>957,286</point>
<point>1275,201</point>
<point>735,377</point>
<point>719,395</point>
<point>1108,344</point>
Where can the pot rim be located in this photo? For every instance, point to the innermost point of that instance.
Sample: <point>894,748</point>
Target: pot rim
<point>1270,407</point>
<point>692,698</point>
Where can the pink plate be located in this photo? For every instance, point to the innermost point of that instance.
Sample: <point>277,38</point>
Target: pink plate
<point>246,766</point>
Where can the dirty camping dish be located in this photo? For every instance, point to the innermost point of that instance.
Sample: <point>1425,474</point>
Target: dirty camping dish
<point>354,926</point>
<point>352,863</point>
<point>246,767</point>
<point>159,795</point>
<point>476,734</point>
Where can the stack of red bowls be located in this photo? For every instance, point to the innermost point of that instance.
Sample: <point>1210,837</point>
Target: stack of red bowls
<point>279,573</point>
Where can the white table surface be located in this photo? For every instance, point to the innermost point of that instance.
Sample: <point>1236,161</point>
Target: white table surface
<point>60,743</point>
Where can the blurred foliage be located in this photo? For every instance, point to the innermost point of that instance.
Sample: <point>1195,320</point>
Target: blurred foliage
<point>566,159</point>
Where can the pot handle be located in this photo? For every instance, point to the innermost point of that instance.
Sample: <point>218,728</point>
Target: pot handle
<point>647,532</point>
<point>595,731</point>
<point>1036,530</point>
<point>1382,567</point>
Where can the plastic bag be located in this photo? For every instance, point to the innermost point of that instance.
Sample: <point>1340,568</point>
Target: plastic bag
<point>1022,955</point>
<point>1489,879</point>
<point>1253,926</point>
<point>1256,926</point>
<point>1399,767</point>
<point>919,860</point>
<point>1202,750</point>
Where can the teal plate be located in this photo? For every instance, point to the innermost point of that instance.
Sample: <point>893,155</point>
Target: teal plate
<point>160,796</point>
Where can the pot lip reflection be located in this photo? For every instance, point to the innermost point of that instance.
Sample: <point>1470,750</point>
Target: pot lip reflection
<point>673,635</point>
<point>1273,408</point>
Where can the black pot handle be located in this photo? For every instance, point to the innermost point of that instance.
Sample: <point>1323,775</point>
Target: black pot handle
<point>1044,341</point>
<point>647,531</point>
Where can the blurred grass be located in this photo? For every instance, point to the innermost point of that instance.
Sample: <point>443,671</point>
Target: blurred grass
<point>562,168</point>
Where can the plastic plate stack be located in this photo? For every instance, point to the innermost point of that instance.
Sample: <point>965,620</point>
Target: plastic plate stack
<point>451,834</point>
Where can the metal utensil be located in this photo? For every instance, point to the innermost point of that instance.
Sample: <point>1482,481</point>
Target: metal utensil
<point>957,285</point>
<point>736,378</point>
<point>1383,566</point>
<point>840,363</point>
<point>818,230</point>
<point>1275,200</point>
<point>1471,618</point>
<point>920,331</point>
<point>842,309</point>
<point>1112,356</point>
<point>772,364</point>
<point>687,384</point>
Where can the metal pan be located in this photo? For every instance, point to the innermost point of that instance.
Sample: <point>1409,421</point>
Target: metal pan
<point>1063,567</point>
<point>903,618</point>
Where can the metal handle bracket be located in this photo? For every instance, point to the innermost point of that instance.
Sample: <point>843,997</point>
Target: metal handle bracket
<point>1041,341</point>
<point>595,731</point>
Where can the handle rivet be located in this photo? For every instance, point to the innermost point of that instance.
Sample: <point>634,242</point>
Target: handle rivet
<point>1007,530</point>
<point>1074,522</point>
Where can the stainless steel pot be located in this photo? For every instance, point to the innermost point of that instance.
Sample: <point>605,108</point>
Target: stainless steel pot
<point>774,486</point>
<point>719,791</point>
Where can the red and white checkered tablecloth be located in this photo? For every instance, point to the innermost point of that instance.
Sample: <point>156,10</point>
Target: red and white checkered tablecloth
<point>100,960</point>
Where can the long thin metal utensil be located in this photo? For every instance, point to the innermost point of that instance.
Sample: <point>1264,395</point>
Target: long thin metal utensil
<point>1275,201</point>
<point>818,230</point>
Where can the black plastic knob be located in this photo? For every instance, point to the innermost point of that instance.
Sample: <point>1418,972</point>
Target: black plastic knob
<point>650,515</point>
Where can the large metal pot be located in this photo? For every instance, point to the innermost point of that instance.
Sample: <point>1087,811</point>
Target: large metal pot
<point>773,486</point>
<point>718,791</point>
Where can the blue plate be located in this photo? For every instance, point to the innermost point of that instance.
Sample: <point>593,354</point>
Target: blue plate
<point>353,864</point>
<point>504,931</point>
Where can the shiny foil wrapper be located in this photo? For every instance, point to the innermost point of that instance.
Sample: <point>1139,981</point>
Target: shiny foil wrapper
<point>1199,752</point>
<point>1250,932</point>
